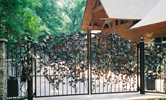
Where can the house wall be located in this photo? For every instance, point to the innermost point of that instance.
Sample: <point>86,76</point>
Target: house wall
<point>158,29</point>
<point>122,30</point>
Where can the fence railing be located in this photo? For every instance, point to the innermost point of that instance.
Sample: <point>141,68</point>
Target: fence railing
<point>83,64</point>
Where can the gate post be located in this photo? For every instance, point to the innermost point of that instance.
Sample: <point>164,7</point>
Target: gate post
<point>142,88</point>
<point>29,62</point>
<point>88,58</point>
<point>3,82</point>
<point>90,62</point>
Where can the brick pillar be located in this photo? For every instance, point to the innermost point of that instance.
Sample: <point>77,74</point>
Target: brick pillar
<point>3,80</point>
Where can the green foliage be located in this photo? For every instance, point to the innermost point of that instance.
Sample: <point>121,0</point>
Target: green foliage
<point>39,18</point>
<point>51,18</point>
<point>73,11</point>
<point>18,18</point>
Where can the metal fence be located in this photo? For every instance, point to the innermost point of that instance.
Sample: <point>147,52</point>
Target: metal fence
<point>15,60</point>
<point>81,64</point>
<point>155,68</point>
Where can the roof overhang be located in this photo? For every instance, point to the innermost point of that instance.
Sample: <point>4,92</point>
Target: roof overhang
<point>156,15</point>
<point>128,9</point>
<point>87,14</point>
<point>149,11</point>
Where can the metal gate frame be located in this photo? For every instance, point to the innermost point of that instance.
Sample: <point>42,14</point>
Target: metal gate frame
<point>136,85</point>
<point>31,50</point>
<point>82,82</point>
<point>89,48</point>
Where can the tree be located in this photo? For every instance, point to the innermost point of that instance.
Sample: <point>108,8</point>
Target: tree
<point>148,38</point>
<point>73,11</point>
<point>18,19</point>
<point>38,18</point>
<point>51,18</point>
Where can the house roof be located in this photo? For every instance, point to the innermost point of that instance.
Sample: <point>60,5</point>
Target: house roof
<point>148,11</point>
<point>90,15</point>
<point>156,15</point>
<point>128,9</point>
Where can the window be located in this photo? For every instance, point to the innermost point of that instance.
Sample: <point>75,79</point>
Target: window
<point>157,40</point>
<point>106,26</point>
<point>110,24</point>
<point>161,40</point>
<point>124,21</point>
<point>134,22</point>
<point>116,22</point>
<point>164,45</point>
<point>164,38</point>
<point>95,24</point>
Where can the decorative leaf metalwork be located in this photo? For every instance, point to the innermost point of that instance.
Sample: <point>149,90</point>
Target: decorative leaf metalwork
<point>113,57</point>
<point>66,56</point>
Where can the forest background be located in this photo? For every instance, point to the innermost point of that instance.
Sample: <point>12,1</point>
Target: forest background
<point>39,18</point>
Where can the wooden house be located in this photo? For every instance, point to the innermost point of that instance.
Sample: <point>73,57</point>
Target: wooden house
<point>129,18</point>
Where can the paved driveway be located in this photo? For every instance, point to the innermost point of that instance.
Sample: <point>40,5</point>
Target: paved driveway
<point>112,96</point>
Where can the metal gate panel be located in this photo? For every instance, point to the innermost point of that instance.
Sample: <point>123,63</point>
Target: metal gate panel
<point>76,64</point>
<point>113,64</point>
<point>61,66</point>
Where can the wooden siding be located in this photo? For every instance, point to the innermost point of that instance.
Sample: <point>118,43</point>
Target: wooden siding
<point>158,29</point>
<point>87,14</point>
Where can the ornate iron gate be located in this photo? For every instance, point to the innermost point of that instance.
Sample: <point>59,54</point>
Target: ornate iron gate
<point>114,64</point>
<point>75,64</point>
<point>61,66</point>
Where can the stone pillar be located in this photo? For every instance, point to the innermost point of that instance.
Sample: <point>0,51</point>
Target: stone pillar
<point>164,83</point>
<point>3,78</point>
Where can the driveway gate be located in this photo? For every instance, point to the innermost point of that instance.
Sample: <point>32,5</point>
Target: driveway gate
<point>113,63</point>
<point>61,66</point>
<point>76,64</point>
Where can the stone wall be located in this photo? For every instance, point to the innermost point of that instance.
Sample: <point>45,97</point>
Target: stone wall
<point>3,78</point>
